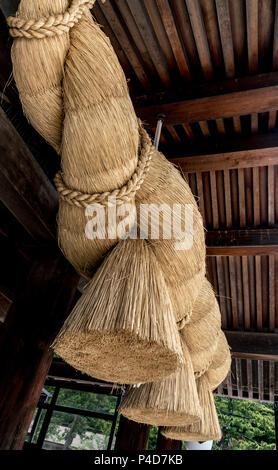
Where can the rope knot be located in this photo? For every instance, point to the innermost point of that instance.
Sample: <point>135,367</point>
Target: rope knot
<point>49,26</point>
<point>122,195</point>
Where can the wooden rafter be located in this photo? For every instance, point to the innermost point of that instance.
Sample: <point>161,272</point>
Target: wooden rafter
<point>256,94</point>
<point>24,188</point>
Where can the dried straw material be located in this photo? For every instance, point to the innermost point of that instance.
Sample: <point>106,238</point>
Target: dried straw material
<point>205,430</point>
<point>123,328</point>
<point>221,363</point>
<point>74,92</point>
<point>202,331</point>
<point>174,401</point>
<point>205,323</point>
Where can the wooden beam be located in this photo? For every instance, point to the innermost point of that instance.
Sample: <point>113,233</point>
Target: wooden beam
<point>242,242</point>
<point>232,97</point>
<point>228,161</point>
<point>242,237</point>
<point>242,250</point>
<point>163,443</point>
<point>9,7</point>
<point>132,436</point>
<point>255,357</point>
<point>32,324</point>
<point>24,188</point>
<point>253,343</point>
<point>222,145</point>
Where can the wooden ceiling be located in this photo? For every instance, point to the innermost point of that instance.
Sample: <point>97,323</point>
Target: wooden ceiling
<point>211,67</point>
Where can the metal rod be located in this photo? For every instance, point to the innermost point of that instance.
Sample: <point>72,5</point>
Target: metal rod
<point>160,121</point>
<point>115,420</point>
<point>47,418</point>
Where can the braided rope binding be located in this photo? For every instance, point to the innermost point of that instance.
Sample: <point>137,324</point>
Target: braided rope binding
<point>122,195</point>
<point>48,27</point>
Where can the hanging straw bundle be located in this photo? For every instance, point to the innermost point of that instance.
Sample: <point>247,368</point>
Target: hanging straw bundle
<point>208,428</point>
<point>174,401</point>
<point>74,92</point>
<point>205,323</point>
<point>221,363</point>
<point>201,333</point>
<point>142,320</point>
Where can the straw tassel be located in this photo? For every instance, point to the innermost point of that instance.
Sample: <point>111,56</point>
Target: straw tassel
<point>123,328</point>
<point>221,363</point>
<point>208,428</point>
<point>170,402</point>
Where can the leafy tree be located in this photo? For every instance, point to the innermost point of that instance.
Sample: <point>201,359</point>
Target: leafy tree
<point>246,425</point>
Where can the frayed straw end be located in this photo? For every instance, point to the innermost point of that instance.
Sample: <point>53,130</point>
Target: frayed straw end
<point>123,327</point>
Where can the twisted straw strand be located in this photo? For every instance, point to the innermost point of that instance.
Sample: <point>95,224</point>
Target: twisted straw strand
<point>123,194</point>
<point>53,25</point>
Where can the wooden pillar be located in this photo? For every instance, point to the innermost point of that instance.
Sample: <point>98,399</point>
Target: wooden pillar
<point>276,420</point>
<point>132,436</point>
<point>167,444</point>
<point>34,320</point>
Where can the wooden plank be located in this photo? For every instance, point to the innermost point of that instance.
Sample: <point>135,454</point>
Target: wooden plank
<point>271,195</point>
<point>259,292</point>
<point>234,160</point>
<point>220,126</point>
<point>233,292</point>
<point>204,128</point>
<point>242,201</point>
<point>132,436</point>
<point>225,261</point>
<point>271,380</point>
<point>213,107</point>
<point>255,357</point>
<point>149,38</point>
<point>212,31</point>
<point>245,279</point>
<point>242,238</point>
<point>242,250</point>
<point>137,37</point>
<point>125,43</point>
<point>238,376</point>
<point>275,39</point>
<point>172,131</point>
<point>200,36</point>
<point>170,27</point>
<point>238,27</point>
<point>254,123</point>
<point>237,124</point>
<point>24,188</point>
<point>256,343</point>
<point>261,379</point>
<point>25,342</point>
<point>252,12</point>
<point>222,7</point>
<point>256,197</point>
<point>214,200</point>
<point>272,293</point>
<point>249,378</point>
<point>228,202</point>
<point>272,120</point>
<point>188,130</point>
<point>229,384</point>
<point>222,291</point>
<point>201,195</point>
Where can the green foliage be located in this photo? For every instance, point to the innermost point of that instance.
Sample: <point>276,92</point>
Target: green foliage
<point>246,425</point>
<point>153,438</point>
